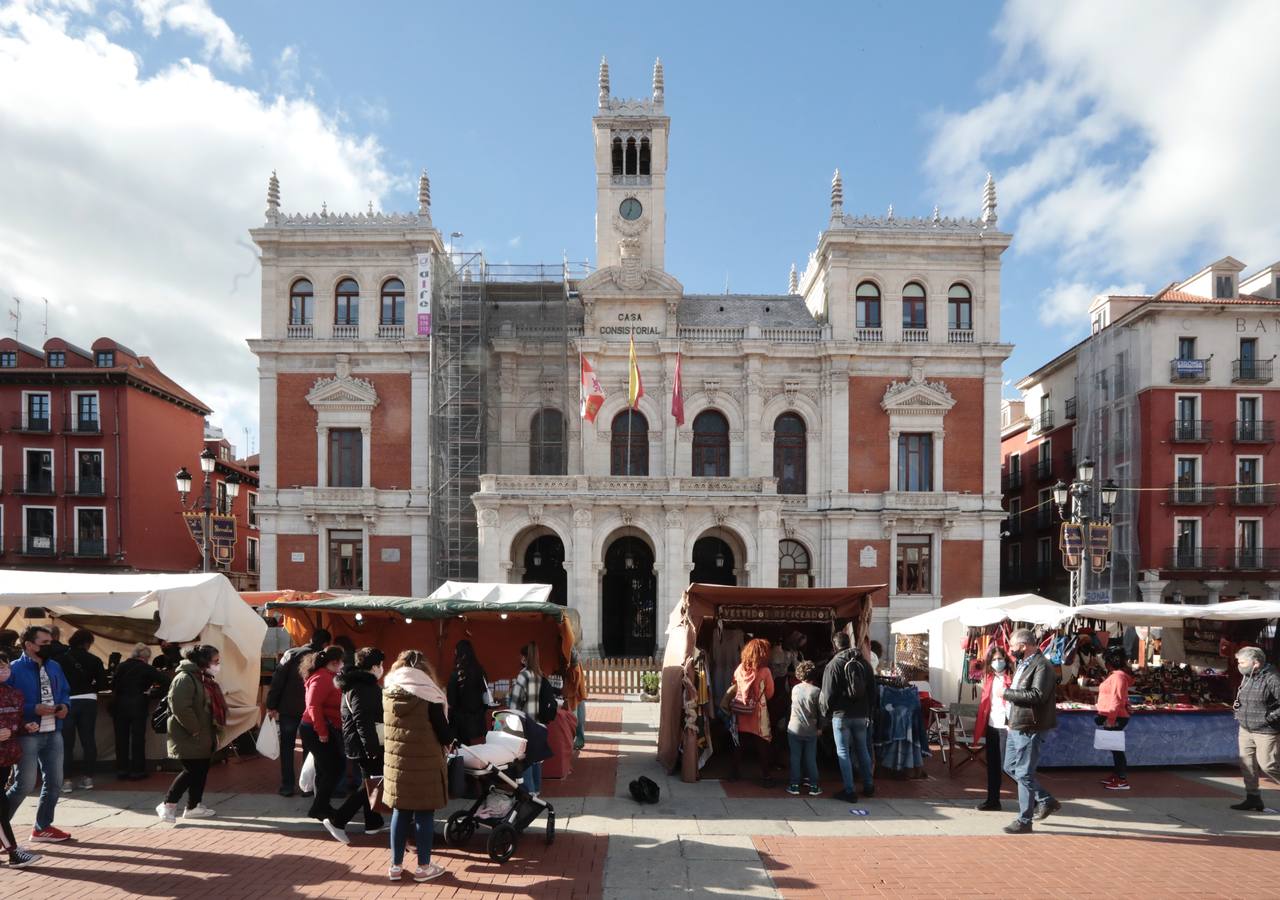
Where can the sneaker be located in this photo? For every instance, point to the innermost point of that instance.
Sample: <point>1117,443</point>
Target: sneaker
<point>1120,784</point>
<point>20,859</point>
<point>1251,803</point>
<point>989,806</point>
<point>1017,826</point>
<point>285,792</point>
<point>845,797</point>
<point>377,829</point>
<point>426,873</point>
<point>199,811</point>
<point>395,872</point>
<point>869,791</point>
<point>168,812</point>
<point>66,785</point>
<point>1107,782</point>
<point>1046,808</point>
<point>793,789</point>
<point>814,790</point>
<point>49,835</point>
<point>86,783</point>
<point>339,834</point>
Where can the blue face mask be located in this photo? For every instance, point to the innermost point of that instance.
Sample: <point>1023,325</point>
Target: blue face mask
<point>998,665</point>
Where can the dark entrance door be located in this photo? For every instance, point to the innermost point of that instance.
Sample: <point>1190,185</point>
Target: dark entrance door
<point>544,564</point>
<point>712,562</point>
<point>630,599</point>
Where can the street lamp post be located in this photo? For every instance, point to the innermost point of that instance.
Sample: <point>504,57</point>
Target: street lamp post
<point>208,462</point>
<point>1075,508</point>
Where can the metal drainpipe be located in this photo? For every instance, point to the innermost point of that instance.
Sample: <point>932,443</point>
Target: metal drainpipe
<point>119,512</point>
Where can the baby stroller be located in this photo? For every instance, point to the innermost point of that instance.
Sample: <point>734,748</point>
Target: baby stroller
<point>503,805</point>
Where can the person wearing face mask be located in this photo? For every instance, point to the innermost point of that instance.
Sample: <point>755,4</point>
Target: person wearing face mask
<point>321,729</point>
<point>993,720</point>
<point>11,728</point>
<point>197,710</point>
<point>46,699</point>
<point>1258,715</point>
<point>361,710</point>
<point>1033,710</point>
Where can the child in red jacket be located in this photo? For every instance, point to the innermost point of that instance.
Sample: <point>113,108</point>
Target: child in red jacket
<point>11,726</point>
<point>1113,712</point>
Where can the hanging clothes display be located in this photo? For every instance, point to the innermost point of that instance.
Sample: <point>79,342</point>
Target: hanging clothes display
<point>902,742</point>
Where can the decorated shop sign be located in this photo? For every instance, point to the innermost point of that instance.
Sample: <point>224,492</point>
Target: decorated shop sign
<point>222,535</point>
<point>777,613</point>
<point>1099,546</point>
<point>1071,541</point>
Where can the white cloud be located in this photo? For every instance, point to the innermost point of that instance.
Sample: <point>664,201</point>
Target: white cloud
<point>127,200</point>
<point>1066,304</point>
<point>196,18</point>
<point>1127,138</point>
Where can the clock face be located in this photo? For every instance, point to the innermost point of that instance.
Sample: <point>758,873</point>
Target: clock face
<point>630,209</point>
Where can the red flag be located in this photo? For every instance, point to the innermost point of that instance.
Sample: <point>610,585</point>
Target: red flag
<point>590,391</point>
<point>677,395</point>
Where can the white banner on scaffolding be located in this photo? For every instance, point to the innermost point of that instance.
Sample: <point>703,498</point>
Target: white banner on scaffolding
<point>424,295</point>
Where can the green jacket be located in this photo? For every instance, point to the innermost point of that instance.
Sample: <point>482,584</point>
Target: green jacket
<point>191,731</point>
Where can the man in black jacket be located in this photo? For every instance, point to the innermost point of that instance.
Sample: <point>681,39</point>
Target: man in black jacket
<point>286,700</point>
<point>86,676</point>
<point>847,687</point>
<point>361,715</point>
<point>1033,710</point>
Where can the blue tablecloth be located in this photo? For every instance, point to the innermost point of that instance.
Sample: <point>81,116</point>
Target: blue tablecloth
<point>1152,739</point>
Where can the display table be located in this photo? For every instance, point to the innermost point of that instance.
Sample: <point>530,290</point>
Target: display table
<point>1156,737</point>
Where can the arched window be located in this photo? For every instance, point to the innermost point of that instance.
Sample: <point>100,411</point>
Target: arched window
<point>629,444</point>
<point>914,314</point>
<point>959,308</point>
<point>793,565</point>
<point>868,305</point>
<point>392,302</point>
<point>546,443</point>
<point>710,445</point>
<point>302,303</point>
<point>631,156</point>
<point>789,444</point>
<point>346,303</point>
<point>617,156</point>
<point>644,156</point>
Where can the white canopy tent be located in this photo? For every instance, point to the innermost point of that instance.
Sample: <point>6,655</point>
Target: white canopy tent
<point>945,628</point>
<point>186,607</point>
<point>1171,615</point>
<point>492,592</point>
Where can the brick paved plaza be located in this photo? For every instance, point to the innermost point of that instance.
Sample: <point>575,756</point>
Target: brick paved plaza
<point>1172,835</point>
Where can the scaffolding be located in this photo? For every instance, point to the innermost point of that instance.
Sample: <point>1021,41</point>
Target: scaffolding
<point>458,417</point>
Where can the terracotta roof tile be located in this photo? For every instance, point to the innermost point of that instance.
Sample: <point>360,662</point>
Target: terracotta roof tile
<point>1242,300</point>
<point>146,371</point>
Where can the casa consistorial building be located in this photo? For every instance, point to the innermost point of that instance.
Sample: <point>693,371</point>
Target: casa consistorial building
<point>422,411</point>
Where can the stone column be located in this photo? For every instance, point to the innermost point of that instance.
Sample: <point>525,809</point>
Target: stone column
<point>675,572</point>
<point>487,527</point>
<point>767,564</point>
<point>1152,590</point>
<point>585,592</point>
<point>1215,589</point>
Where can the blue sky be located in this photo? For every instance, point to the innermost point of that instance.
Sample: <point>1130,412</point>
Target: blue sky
<point>141,134</point>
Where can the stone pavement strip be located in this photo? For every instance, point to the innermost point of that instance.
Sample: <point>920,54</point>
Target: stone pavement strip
<point>1171,836</point>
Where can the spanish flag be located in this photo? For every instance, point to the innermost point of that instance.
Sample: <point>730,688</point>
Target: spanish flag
<point>635,387</point>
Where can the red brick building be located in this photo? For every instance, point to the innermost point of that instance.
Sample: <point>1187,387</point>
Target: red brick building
<point>89,442</point>
<point>1173,397</point>
<point>246,562</point>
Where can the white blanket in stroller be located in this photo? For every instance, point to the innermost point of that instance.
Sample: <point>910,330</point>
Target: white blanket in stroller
<point>499,749</point>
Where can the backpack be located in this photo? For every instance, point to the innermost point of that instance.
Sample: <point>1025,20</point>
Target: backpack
<point>548,709</point>
<point>160,717</point>
<point>851,686</point>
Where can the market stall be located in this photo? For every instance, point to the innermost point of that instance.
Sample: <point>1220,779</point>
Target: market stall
<point>1182,691</point>
<point>122,610</point>
<point>705,635</point>
<point>931,646</point>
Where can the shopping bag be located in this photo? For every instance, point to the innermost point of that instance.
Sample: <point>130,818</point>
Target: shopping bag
<point>373,787</point>
<point>307,777</point>
<point>1108,740</point>
<point>457,777</point>
<point>269,739</point>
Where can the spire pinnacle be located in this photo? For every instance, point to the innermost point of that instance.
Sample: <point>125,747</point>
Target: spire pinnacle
<point>604,82</point>
<point>989,203</point>
<point>837,196</point>
<point>424,195</point>
<point>273,198</point>
<point>657,82</point>
<point>793,283</point>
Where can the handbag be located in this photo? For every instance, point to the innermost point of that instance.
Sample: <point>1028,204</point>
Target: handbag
<point>268,743</point>
<point>1104,739</point>
<point>457,776</point>
<point>748,706</point>
<point>373,787</point>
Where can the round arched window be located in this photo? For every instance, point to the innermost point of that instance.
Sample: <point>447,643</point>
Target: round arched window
<point>711,445</point>
<point>794,569</point>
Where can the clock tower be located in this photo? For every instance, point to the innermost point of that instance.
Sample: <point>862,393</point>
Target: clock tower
<point>631,176</point>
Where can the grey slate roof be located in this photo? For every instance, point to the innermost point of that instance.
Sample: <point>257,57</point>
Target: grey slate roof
<point>740,310</point>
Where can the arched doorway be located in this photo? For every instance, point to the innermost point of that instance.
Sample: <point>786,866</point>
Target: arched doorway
<point>713,562</point>
<point>544,564</point>
<point>629,598</point>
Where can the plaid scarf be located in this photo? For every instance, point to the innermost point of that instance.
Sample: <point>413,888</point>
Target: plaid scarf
<point>217,702</point>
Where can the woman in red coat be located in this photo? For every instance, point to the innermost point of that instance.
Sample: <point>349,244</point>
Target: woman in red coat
<point>11,726</point>
<point>321,728</point>
<point>993,720</point>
